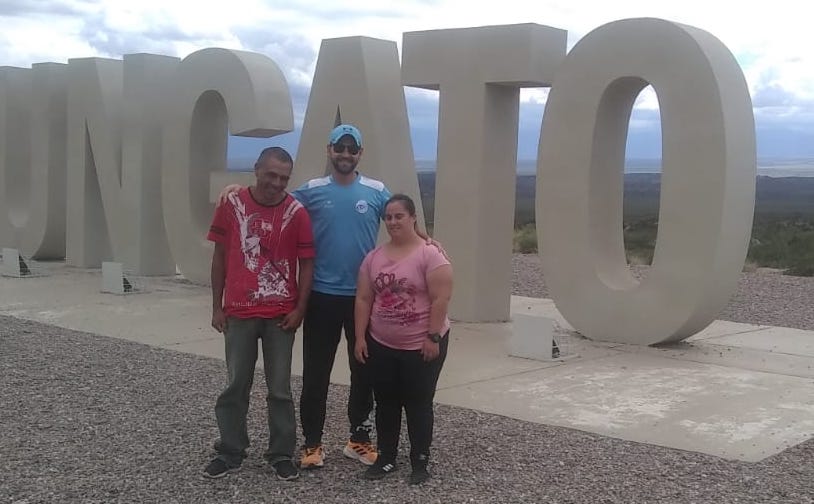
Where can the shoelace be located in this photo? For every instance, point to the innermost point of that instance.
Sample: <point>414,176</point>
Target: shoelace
<point>363,448</point>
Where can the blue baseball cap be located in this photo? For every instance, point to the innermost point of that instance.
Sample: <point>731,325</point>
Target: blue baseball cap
<point>345,129</point>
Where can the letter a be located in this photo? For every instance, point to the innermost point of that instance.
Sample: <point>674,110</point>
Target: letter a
<point>361,77</point>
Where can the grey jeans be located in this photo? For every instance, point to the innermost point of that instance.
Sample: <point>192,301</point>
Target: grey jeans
<point>241,337</point>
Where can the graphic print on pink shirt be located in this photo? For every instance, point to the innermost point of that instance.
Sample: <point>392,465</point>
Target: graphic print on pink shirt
<point>396,299</point>
<point>400,315</point>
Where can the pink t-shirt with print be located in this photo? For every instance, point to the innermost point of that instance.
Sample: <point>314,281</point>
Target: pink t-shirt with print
<point>400,317</point>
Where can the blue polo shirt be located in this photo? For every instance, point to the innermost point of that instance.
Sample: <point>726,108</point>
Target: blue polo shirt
<point>345,220</point>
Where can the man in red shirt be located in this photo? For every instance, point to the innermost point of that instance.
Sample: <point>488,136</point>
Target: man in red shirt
<point>261,236</point>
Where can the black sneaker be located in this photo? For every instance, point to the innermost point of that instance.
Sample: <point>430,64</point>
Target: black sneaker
<point>419,475</point>
<point>286,470</point>
<point>380,469</point>
<point>218,468</point>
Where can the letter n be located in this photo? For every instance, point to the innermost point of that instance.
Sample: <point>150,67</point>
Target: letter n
<point>115,112</point>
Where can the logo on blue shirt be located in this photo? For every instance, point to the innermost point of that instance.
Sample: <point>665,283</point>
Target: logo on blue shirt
<point>361,206</point>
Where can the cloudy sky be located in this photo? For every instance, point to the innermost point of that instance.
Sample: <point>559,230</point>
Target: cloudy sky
<point>773,42</point>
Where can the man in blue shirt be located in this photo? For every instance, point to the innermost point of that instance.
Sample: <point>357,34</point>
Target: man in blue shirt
<point>345,209</point>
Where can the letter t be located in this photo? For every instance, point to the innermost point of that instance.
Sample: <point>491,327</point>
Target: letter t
<point>479,72</point>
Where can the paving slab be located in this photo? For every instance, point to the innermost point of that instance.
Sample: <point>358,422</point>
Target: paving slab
<point>777,340</point>
<point>723,411</point>
<point>734,390</point>
<point>708,352</point>
<point>725,328</point>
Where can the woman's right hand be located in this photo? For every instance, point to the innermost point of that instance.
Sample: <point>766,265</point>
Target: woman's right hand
<point>360,350</point>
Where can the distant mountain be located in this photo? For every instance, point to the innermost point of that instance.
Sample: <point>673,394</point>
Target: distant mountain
<point>775,196</point>
<point>772,167</point>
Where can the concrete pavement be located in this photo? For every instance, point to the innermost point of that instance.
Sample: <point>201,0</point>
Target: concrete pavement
<point>737,391</point>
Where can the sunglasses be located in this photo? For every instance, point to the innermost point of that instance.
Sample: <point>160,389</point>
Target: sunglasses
<point>340,148</point>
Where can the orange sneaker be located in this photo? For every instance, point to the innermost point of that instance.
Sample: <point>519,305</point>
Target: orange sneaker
<point>312,458</point>
<point>363,452</point>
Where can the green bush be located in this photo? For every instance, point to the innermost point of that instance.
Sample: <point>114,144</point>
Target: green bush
<point>787,244</point>
<point>640,240</point>
<point>525,239</point>
<point>801,255</point>
<point>779,240</point>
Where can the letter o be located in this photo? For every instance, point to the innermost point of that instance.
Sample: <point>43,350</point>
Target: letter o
<point>707,185</point>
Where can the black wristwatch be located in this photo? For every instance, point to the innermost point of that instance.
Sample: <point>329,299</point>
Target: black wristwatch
<point>434,337</point>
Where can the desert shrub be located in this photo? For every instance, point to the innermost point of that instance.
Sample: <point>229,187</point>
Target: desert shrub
<point>640,240</point>
<point>525,239</point>
<point>784,243</point>
<point>801,255</point>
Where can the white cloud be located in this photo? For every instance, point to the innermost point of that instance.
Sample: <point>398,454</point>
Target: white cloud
<point>771,42</point>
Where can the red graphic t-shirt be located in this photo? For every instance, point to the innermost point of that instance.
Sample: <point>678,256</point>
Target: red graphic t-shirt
<point>263,245</point>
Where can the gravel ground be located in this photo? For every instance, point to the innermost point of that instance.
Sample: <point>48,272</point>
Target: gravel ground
<point>86,418</point>
<point>763,297</point>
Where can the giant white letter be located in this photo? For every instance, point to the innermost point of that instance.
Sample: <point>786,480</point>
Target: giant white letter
<point>15,103</point>
<point>32,184</point>
<point>213,89</point>
<point>707,185</point>
<point>115,113</point>
<point>361,77</point>
<point>479,72</point>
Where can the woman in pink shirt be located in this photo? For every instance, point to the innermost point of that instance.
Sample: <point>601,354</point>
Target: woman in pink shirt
<point>402,296</point>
